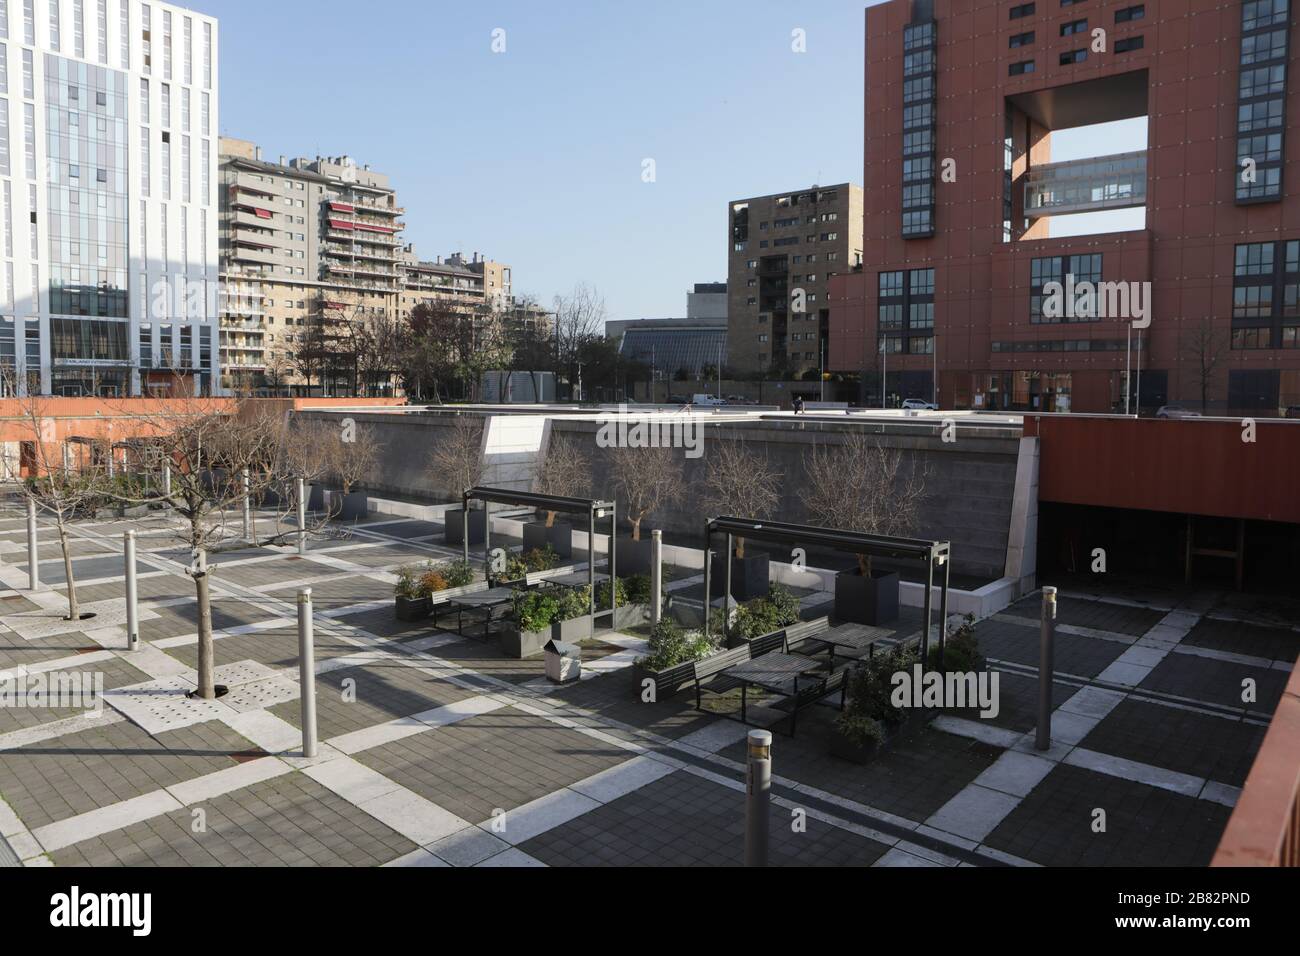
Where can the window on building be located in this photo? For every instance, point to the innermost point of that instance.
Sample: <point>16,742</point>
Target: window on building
<point>1018,69</point>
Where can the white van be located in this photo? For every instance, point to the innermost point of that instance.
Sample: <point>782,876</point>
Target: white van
<point>699,398</point>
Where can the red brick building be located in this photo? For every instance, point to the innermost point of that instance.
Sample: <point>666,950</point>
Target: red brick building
<point>962,99</point>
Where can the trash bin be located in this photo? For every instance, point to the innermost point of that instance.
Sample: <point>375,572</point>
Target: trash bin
<point>563,661</point>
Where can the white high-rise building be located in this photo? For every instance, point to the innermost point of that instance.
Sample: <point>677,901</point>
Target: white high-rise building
<point>108,205</point>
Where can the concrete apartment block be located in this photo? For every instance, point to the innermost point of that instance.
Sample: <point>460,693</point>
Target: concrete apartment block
<point>778,247</point>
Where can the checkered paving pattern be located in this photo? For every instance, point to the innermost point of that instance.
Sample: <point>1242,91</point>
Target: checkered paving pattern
<point>583,796</point>
<point>1145,825</point>
<point>116,673</point>
<point>685,820</point>
<point>60,778</point>
<point>353,698</point>
<point>495,761</point>
<point>288,821</point>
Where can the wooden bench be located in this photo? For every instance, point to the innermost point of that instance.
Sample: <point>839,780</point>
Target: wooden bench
<point>802,636</point>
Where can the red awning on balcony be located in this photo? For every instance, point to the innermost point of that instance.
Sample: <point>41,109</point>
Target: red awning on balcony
<point>340,224</point>
<point>342,207</point>
<point>262,213</point>
<point>369,228</point>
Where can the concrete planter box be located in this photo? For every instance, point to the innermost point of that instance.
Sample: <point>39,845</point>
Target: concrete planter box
<point>315,496</point>
<point>866,600</point>
<point>633,557</point>
<point>352,506</point>
<point>455,526</point>
<point>626,616</point>
<point>559,537</point>
<point>748,576</point>
<point>521,644</point>
<point>412,609</point>
<point>573,630</point>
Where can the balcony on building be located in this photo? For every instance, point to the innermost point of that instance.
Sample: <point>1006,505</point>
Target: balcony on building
<point>1087,185</point>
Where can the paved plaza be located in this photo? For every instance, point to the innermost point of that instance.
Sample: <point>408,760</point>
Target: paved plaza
<point>438,751</point>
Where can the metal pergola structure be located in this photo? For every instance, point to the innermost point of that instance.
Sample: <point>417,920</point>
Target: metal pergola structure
<point>929,554</point>
<point>592,507</point>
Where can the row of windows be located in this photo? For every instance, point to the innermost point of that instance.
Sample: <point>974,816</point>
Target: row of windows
<point>1261,95</point>
<point>920,47</point>
<point>1127,14</point>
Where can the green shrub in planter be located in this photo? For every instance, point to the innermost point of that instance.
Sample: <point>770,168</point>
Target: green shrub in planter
<point>535,610</point>
<point>541,559</point>
<point>638,588</point>
<point>573,602</point>
<point>764,615</point>
<point>671,645</point>
<point>868,714</point>
<point>602,593</point>
<point>458,573</point>
<point>961,650</point>
<point>409,584</point>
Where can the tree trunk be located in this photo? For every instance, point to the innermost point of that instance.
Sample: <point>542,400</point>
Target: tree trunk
<point>636,529</point>
<point>740,547</point>
<point>206,687</point>
<point>550,519</point>
<point>74,609</point>
<point>864,565</point>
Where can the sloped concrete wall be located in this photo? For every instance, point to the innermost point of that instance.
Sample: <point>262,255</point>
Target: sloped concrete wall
<point>971,484</point>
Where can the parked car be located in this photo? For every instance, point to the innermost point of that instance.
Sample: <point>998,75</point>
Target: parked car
<point>708,400</point>
<point>1176,411</point>
<point>1293,411</point>
<point>919,405</point>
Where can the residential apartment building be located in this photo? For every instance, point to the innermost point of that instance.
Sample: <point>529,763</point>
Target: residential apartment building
<point>108,122</point>
<point>305,244</point>
<point>474,284</point>
<point>963,101</point>
<point>782,250</point>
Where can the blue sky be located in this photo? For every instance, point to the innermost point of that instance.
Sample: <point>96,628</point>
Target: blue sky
<point>534,156</point>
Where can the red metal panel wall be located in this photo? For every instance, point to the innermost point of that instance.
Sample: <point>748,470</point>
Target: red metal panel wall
<point>1200,467</point>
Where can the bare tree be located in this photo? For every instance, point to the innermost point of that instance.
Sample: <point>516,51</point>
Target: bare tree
<point>209,444</point>
<point>578,317</point>
<point>1206,349</point>
<point>863,486</point>
<point>565,471</point>
<point>56,487</point>
<point>353,456</point>
<point>740,483</point>
<point>457,457</point>
<point>645,478</point>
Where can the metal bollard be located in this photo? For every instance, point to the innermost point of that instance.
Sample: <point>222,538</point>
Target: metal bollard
<point>248,505</point>
<point>132,615</point>
<point>758,795</point>
<point>33,559</point>
<point>167,480</point>
<point>656,574</point>
<point>307,672</point>
<point>1043,736</point>
<point>302,517</point>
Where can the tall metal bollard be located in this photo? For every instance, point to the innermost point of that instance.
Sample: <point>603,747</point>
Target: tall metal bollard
<point>33,559</point>
<point>302,517</point>
<point>132,615</point>
<point>167,479</point>
<point>307,672</point>
<point>248,505</point>
<point>758,797</point>
<point>1046,664</point>
<point>656,574</point>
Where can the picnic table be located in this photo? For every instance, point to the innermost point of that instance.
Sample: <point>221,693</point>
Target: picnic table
<point>858,637</point>
<point>574,579</point>
<point>487,601</point>
<point>775,672</point>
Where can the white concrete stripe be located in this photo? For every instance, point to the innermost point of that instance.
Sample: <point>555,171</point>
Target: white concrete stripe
<point>58,728</point>
<point>229,780</point>
<point>1183,783</point>
<point>976,730</point>
<point>545,813</point>
<point>401,727</point>
<point>622,779</point>
<point>64,833</point>
<point>419,820</point>
<point>974,812</point>
<point>512,857</point>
